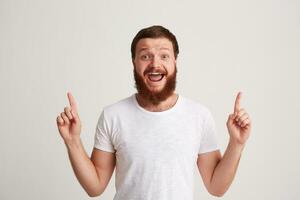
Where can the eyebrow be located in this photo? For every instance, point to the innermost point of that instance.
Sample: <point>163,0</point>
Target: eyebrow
<point>145,48</point>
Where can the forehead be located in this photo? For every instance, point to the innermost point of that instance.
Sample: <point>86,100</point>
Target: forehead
<point>154,43</point>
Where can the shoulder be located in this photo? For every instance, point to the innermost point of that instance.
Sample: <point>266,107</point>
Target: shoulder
<point>121,106</point>
<point>195,106</point>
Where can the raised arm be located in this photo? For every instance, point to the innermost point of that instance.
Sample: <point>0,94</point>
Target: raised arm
<point>218,172</point>
<point>93,174</point>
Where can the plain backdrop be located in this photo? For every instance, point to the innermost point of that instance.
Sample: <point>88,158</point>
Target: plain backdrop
<point>50,47</point>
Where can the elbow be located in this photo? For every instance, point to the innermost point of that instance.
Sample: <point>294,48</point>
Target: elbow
<point>94,190</point>
<point>94,194</point>
<point>217,193</point>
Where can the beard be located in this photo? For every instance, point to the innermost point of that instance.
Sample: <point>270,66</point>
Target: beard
<point>155,97</point>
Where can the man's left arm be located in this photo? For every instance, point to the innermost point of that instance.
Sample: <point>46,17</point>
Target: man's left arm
<point>216,171</point>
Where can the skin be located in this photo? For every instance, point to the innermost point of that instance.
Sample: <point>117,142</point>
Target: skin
<point>218,172</point>
<point>155,55</point>
<point>94,173</point>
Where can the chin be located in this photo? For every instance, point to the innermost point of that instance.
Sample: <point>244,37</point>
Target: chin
<point>156,89</point>
<point>155,92</point>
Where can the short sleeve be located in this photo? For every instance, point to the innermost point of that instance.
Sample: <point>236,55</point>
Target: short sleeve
<point>103,135</point>
<point>209,141</point>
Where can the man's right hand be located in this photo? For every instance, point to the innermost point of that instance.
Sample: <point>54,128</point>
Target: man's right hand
<point>68,122</point>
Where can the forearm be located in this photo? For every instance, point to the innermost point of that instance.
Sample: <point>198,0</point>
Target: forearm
<point>226,168</point>
<point>83,168</point>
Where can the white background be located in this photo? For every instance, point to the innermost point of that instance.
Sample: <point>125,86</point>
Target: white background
<point>50,47</point>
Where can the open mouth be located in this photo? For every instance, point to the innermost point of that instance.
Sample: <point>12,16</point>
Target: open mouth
<point>155,76</point>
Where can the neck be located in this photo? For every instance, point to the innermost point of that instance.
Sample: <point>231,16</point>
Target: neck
<point>162,106</point>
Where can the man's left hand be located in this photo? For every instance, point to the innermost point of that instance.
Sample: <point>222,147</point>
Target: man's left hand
<point>239,123</point>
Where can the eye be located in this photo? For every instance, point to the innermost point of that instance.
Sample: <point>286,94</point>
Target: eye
<point>165,56</point>
<point>145,57</point>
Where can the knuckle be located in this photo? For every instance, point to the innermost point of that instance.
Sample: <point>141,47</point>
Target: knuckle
<point>241,112</point>
<point>245,122</point>
<point>66,113</point>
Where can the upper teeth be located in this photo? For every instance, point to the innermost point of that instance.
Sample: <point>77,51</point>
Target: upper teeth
<point>155,73</point>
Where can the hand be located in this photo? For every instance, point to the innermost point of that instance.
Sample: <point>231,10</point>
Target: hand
<point>239,123</point>
<point>68,122</point>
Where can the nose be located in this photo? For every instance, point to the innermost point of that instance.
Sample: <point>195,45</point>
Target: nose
<point>155,62</point>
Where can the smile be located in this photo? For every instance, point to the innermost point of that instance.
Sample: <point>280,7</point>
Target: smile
<point>155,77</point>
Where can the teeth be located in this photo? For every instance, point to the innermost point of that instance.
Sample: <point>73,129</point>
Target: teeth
<point>155,73</point>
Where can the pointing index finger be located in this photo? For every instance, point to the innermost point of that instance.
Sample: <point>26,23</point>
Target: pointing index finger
<point>237,103</point>
<point>72,101</point>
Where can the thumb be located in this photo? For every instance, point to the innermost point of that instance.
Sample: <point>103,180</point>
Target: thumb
<point>230,119</point>
<point>75,116</point>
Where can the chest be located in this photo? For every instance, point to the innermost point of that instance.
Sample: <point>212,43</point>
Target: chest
<point>164,139</point>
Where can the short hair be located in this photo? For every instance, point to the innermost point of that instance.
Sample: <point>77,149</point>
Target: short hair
<point>155,31</point>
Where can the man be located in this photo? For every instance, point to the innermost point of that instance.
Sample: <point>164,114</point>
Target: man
<point>155,137</point>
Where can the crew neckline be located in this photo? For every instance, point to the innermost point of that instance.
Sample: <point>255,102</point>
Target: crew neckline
<point>172,109</point>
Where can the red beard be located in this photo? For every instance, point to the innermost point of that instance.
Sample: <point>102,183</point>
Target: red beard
<point>155,97</point>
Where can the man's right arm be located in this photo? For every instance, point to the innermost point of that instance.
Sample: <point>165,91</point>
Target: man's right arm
<point>93,174</point>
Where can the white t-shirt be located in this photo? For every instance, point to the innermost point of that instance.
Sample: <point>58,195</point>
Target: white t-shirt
<point>156,152</point>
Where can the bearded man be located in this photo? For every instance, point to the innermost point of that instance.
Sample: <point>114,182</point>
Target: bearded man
<point>156,137</point>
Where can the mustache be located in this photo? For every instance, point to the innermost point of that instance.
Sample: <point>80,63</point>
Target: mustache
<point>155,97</point>
<point>153,70</point>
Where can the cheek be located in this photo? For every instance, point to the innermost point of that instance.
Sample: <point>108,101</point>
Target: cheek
<point>171,68</point>
<point>140,68</point>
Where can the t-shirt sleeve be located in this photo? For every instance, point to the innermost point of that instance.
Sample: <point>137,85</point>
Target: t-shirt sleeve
<point>209,140</point>
<point>103,135</point>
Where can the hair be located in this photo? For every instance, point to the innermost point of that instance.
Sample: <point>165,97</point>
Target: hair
<point>154,32</point>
